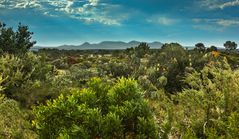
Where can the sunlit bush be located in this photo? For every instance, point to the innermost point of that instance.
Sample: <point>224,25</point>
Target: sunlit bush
<point>13,123</point>
<point>99,111</point>
<point>21,74</point>
<point>209,106</point>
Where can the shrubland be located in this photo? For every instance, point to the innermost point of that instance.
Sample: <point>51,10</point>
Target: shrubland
<point>170,92</point>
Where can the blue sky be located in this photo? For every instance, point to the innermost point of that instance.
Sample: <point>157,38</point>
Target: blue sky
<point>57,22</point>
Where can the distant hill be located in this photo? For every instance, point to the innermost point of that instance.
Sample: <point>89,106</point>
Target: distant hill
<point>102,45</point>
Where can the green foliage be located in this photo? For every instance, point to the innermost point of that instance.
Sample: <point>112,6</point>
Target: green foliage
<point>189,134</point>
<point>172,51</point>
<point>197,60</point>
<point>200,47</point>
<point>142,49</point>
<point>173,59</point>
<point>139,51</point>
<point>1,87</point>
<point>13,122</point>
<point>60,63</point>
<point>99,111</point>
<point>229,45</point>
<point>232,126</point>
<point>212,48</point>
<point>22,74</point>
<point>210,101</point>
<point>18,42</point>
<point>189,93</point>
<point>80,75</point>
<point>118,69</point>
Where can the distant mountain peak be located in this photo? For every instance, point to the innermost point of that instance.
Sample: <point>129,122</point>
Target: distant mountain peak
<point>86,43</point>
<point>134,42</point>
<point>106,45</point>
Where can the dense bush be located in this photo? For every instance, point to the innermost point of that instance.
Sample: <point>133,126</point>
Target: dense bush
<point>170,61</point>
<point>99,111</point>
<point>13,121</point>
<point>22,74</point>
<point>209,106</point>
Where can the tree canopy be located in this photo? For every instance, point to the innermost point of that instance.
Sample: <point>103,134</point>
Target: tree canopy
<point>15,42</point>
<point>200,47</point>
<point>230,45</point>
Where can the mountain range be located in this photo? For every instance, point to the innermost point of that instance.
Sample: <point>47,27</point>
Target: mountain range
<point>102,45</point>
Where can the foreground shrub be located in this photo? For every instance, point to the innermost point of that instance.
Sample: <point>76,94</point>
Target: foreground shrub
<point>21,74</point>
<point>99,111</point>
<point>209,106</point>
<point>13,122</point>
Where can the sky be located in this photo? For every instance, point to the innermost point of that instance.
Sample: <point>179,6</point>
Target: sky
<point>58,22</point>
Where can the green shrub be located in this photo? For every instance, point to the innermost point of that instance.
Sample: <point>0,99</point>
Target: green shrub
<point>99,111</point>
<point>22,74</point>
<point>13,121</point>
<point>210,103</point>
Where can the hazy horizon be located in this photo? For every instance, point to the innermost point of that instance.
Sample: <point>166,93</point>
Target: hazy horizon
<point>78,44</point>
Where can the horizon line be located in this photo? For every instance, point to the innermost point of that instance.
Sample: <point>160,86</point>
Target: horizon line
<point>98,42</point>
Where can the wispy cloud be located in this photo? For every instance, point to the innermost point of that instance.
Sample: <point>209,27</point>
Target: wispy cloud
<point>89,11</point>
<point>162,20</point>
<point>20,4</point>
<point>220,22</point>
<point>218,4</point>
<point>94,2</point>
<point>1,5</point>
<point>227,23</point>
<point>229,4</point>
<point>208,28</point>
<point>214,24</point>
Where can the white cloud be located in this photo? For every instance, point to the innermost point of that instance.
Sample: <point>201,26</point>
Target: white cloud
<point>56,3</point>
<point>221,22</point>
<point>163,20</point>
<point>197,20</point>
<point>92,12</point>
<point>68,8</point>
<point>81,10</point>
<point>91,15</point>
<point>215,24</point>
<point>100,19</point>
<point>228,23</point>
<point>88,11</point>
<point>218,4</point>
<point>94,2</point>
<point>210,4</point>
<point>20,4</point>
<point>229,4</point>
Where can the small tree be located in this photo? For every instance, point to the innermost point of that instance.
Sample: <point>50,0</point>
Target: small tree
<point>229,45</point>
<point>18,42</point>
<point>142,49</point>
<point>23,38</point>
<point>212,48</point>
<point>173,59</point>
<point>200,47</point>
